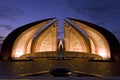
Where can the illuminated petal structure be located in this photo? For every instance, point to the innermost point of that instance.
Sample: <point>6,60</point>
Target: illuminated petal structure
<point>46,40</point>
<point>79,37</point>
<point>75,40</point>
<point>19,41</point>
<point>102,42</point>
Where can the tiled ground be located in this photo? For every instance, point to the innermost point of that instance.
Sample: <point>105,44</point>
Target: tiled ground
<point>43,65</point>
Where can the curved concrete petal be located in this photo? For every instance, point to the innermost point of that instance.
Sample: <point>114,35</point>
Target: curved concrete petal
<point>102,41</point>
<point>16,42</point>
<point>75,40</point>
<point>46,40</point>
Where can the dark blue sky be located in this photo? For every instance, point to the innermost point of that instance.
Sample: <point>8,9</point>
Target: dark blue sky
<point>15,13</point>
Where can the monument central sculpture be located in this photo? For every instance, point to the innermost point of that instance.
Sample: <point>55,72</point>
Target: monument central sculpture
<point>41,37</point>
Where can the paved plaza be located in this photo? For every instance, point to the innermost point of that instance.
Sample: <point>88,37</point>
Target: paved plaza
<point>41,66</point>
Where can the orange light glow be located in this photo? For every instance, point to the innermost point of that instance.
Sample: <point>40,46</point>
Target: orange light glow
<point>46,41</point>
<point>22,42</point>
<point>102,52</point>
<point>99,44</point>
<point>19,52</point>
<point>60,43</point>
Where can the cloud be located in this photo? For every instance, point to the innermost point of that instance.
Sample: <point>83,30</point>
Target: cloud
<point>10,13</point>
<point>98,10</point>
<point>8,27</point>
<point>1,37</point>
<point>102,12</point>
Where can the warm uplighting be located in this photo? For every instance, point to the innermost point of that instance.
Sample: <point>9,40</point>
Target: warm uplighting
<point>46,41</point>
<point>103,53</point>
<point>29,46</point>
<point>92,46</point>
<point>74,40</point>
<point>60,44</point>
<point>99,44</point>
<point>86,38</point>
<point>19,52</point>
<point>23,42</point>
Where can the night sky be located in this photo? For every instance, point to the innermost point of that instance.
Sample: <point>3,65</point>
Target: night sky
<point>16,13</point>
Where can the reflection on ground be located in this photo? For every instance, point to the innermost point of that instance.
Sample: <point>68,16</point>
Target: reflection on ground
<point>41,66</point>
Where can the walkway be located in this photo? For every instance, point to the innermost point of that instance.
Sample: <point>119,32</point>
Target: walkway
<point>43,65</point>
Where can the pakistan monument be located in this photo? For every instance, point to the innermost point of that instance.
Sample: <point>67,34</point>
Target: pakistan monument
<point>40,39</point>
